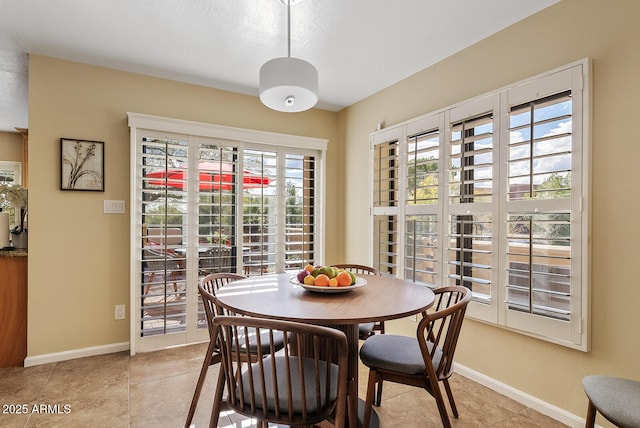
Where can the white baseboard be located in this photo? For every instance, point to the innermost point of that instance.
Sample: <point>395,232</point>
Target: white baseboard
<point>75,353</point>
<point>523,398</point>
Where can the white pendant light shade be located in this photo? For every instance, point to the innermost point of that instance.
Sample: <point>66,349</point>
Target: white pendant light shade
<point>288,84</point>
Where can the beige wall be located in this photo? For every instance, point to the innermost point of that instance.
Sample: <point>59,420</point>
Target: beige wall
<point>79,257</point>
<point>608,33</point>
<point>11,147</point>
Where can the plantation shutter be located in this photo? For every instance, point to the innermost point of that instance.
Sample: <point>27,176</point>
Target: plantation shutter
<point>471,239</point>
<point>544,207</point>
<point>208,199</point>
<point>386,193</point>
<point>300,210</point>
<point>501,208</point>
<point>423,200</point>
<point>163,307</point>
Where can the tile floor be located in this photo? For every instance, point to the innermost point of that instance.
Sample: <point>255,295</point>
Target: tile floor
<point>154,390</point>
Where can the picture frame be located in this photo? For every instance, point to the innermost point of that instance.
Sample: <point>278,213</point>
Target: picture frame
<point>81,165</point>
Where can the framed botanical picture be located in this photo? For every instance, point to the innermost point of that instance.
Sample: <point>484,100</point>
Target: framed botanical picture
<point>81,165</point>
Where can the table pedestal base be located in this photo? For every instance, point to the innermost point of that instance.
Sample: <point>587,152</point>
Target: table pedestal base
<point>374,423</point>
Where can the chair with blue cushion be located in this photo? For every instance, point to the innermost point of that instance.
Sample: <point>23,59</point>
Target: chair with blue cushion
<point>303,384</point>
<point>365,330</point>
<point>617,399</point>
<point>208,287</point>
<point>422,361</point>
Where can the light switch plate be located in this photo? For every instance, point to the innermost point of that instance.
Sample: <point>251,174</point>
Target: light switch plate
<point>113,207</point>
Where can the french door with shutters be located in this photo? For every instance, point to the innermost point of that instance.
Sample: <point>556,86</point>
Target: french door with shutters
<point>203,205</point>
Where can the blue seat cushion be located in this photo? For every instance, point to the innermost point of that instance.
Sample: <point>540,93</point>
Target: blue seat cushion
<point>396,353</point>
<point>616,399</point>
<point>366,328</point>
<point>309,386</point>
<point>278,341</point>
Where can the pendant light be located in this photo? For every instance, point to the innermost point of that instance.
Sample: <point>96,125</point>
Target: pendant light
<point>288,84</point>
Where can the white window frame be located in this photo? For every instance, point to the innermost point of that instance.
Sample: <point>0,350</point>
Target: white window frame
<point>576,77</point>
<point>16,168</point>
<point>140,125</point>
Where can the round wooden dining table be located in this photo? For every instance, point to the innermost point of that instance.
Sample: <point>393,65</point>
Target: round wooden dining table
<point>278,296</point>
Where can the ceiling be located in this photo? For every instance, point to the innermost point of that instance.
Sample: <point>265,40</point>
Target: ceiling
<point>358,46</point>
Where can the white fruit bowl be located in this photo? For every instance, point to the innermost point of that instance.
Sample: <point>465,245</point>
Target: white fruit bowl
<point>360,282</point>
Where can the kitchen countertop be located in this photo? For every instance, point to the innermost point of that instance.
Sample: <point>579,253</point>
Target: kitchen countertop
<point>18,252</point>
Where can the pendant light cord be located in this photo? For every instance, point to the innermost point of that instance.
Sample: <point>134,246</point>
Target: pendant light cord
<point>289,28</point>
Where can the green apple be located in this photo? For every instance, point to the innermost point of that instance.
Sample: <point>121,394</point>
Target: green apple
<point>327,270</point>
<point>353,277</point>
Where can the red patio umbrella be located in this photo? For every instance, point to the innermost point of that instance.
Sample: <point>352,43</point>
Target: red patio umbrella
<point>212,176</point>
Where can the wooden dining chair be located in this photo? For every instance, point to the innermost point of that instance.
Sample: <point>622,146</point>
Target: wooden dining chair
<point>617,399</point>
<point>207,287</point>
<point>303,384</point>
<point>210,284</point>
<point>158,260</point>
<point>365,330</point>
<point>421,361</point>
<point>215,259</point>
<point>159,256</point>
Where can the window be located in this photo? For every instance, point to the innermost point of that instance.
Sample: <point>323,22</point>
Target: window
<point>498,203</point>
<point>421,249</point>
<point>385,251</point>
<point>300,211</point>
<point>11,172</point>
<point>422,243</point>
<point>545,254</point>
<point>259,216</point>
<point>211,199</point>
<point>163,215</point>
<point>385,205</point>
<point>471,160</point>
<point>385,182</point>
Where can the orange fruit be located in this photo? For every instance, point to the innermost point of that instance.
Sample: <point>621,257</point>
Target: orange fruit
<point>309,268</point>
<point>322,280</point>
<point>343,279</point>
<point>333,282</point>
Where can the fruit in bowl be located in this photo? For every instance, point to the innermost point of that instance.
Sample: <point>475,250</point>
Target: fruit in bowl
<point>302,274</point>
<point>325,276</point>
